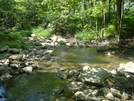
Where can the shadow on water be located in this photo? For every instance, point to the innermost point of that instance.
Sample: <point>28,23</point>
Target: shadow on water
<point>36,87</point>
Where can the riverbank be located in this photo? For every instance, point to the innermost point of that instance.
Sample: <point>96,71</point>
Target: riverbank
<point>15,62</point>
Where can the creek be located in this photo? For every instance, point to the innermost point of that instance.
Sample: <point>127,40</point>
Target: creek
<point>43,86</point>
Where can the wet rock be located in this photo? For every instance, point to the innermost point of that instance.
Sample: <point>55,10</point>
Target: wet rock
<point>37,43</point>
<point>87,95</point>
<point>14,66</point>
<point>62,74</point>
<point>14,50</point>
<point>68,44</point>
<point>113,72</point>
<point>48,52</point>
<point>116,92</point>
<point>107,94</point>
<point>125,96</point>
<point>85,68</point>
<point>6,75</point>
<point>102,48</point>
<point>68,74</point>
<point>15,62</point>
<point>47,57</point>
<point>28,69</point>
<point>57,90</point>
<point>75,85</point>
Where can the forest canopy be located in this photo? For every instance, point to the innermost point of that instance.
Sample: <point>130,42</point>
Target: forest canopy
<point>84,19</point>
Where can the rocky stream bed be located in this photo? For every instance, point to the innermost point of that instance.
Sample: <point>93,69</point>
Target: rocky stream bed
<point>89,83</point>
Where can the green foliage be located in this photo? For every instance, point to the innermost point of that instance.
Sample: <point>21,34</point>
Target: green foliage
<point>81,17</point>
<point>110,30</point>
<point>20,43</point>
<point>86,35</point>
<point>41,31</point>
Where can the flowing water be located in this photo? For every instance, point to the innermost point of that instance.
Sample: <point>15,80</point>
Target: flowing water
<point>41,86</point>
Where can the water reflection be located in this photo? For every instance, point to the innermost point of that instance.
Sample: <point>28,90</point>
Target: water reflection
<point>75,57</point>
<point>35,87</point>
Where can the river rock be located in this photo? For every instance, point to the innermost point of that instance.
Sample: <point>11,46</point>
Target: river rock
<point>126,69</point>
<point>14,50</point>
<point>85,68</point>
<point>62,74</point>
<point>75,85</point>
<point>48,52</point>
<point>14,66</point>
<point>106,93</point>
<point>6,75</point>
<point>115,92</point>
<point>94,75</point>
<point>37,43</point>
<point>4,49</point>
<point>87,95</point>
<point>102,48</point>
<point>57,90</point>
<point>28,69</point>
<point>15,57</point>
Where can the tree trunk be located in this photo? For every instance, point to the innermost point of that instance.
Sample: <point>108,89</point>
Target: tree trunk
<point>109,14</point>
<point>103,19</point>
<point>119,18</point>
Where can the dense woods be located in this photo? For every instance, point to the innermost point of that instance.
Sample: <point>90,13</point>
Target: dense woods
<point>67,50</point>
<point>84,19</point>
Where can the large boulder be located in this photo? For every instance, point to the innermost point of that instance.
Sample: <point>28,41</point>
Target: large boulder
<point>95,75</point>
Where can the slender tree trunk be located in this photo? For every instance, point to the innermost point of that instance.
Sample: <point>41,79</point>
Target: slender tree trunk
<point>119,18</point>
<point>96,30</point>
<point>103,19</point>
<point>109,13</point>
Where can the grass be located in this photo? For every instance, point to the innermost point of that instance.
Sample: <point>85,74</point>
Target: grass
<point>41,32</point>
<point>14,38</point>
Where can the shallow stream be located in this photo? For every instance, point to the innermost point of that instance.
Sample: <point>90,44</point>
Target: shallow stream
<point>43,86</point>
